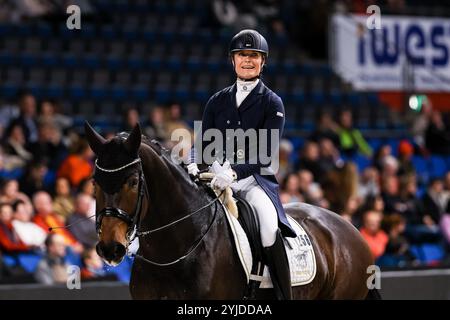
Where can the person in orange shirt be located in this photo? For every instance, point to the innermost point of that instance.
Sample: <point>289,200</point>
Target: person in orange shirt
<point>46,218</point>
<point>77,166</point>
<point>371,231</point>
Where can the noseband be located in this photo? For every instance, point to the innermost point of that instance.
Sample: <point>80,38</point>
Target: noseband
<point>132,221</point>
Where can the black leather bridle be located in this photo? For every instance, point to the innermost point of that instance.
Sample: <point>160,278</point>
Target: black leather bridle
<point>132,221</point>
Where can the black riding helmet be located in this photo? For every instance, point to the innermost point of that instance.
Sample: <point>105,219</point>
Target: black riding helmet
<point>249,39</point>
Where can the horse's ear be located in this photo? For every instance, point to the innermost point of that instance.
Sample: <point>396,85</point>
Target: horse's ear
<point>95,140</point>
<point>133,141</point>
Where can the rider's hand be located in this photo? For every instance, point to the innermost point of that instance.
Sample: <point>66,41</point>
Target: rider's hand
<point>193,169</point>
<point>223,179</point>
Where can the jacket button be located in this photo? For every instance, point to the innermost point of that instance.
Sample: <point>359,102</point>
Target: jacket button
<point>228,121</point>
<point>239,122</point>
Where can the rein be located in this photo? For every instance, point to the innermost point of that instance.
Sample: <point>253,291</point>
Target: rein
<point>133,222</point>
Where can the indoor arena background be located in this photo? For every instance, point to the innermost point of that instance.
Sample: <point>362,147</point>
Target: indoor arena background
<point>366,92</point>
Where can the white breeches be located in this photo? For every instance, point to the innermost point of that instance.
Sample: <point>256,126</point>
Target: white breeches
<point>249,189</point>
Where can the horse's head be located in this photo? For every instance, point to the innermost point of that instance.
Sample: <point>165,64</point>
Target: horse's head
<point>119,188</point>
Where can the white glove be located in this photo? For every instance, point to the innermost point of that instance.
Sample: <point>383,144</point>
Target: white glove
<point>216,167</point>
<point>193,169</point>
<point>223,179</point>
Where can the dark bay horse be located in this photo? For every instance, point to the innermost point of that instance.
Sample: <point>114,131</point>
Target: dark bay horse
<point>185,248</point>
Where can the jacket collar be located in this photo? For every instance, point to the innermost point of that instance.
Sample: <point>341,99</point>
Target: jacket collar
<point>250,99</point>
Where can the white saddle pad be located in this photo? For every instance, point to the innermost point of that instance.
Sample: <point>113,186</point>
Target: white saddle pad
<point>302,260</point>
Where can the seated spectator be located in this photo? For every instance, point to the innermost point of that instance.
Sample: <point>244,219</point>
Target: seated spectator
<point>351,139</point>
<point>10,193</point>
<point>329,158</point>
<point>50,113</point>
<point>381,153</point>
<point>63,202</point>
<point>46,219</point>
<point>390,193</point>
<point>326,129</point>
<point>369,184</point>
<point>437,135</point>
<point>83,228</point>
<point>92,267</point>
<point>27,118</point>
<point>434,202</point>
<point>285,165</point>
<point>77,166</point>
<point>397,247</point>
<point>49,148</point>
<point>371,231</point>
<point>291,189</point>
<point>350,210</point>
<point>405,153</point>
<point>15,147</point>
<point>52,269</point>
<point>34,178</point>
<point>409,206</point>
<point>87,187</point>
<point>156,128</point>
<point>389,166</point>
<point>339,185</point>
<point>9,240</point>
<point>309,159</point>
<point>175,122</point>
<point>30,233</point>
<point>130,119</point>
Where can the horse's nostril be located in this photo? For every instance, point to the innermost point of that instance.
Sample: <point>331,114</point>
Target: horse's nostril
<point>119,250</point>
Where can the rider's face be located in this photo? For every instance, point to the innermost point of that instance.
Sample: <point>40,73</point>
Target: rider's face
<point>248,63</point>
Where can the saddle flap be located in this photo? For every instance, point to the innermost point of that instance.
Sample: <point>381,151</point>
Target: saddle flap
<point>250,223</point>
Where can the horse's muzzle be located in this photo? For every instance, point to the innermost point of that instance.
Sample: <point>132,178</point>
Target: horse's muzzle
<point>112,252</point>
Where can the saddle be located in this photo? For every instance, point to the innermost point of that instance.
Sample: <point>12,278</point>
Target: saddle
<point>245,228</point>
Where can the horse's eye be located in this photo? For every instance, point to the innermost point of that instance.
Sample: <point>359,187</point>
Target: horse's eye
<point>133,182</point>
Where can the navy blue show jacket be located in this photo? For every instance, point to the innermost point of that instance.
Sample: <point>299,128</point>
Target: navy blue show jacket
<point>261,109</point>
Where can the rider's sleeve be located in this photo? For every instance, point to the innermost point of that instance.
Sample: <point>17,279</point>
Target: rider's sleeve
<point>207,123</point>
<point>274,123</point>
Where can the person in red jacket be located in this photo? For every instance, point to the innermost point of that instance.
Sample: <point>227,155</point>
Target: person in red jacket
<point>9,240</point>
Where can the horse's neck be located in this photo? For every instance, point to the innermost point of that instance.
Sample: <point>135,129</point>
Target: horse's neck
<point>171,197</point>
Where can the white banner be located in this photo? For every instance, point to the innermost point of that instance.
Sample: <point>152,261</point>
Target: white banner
<point>406,53</point>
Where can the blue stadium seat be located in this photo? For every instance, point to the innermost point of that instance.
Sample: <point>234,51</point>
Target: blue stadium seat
<point>437,166</point>
<point>54,91</point>
<point>139,93</point>
<point>362,162</point>
<point>317,97</point>
<point>335,96</point>
<point>162,93</point>
<point>49,59</point>
<point>194,64</point>
<point>428,253</point>
<point>8,90</point>
<point>90,61</point>
<point>77,91</point>
<point>29,261</point>
<point>118,92</point>
<point>43,30</point>
<point>10,260</point>
<point>6,58</point>
<point>421,166</point>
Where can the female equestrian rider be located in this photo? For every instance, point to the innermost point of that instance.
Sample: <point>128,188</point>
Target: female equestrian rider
<point>249,104</point>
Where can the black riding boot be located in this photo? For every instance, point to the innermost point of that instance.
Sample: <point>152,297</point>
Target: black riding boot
<point>278,264</point>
